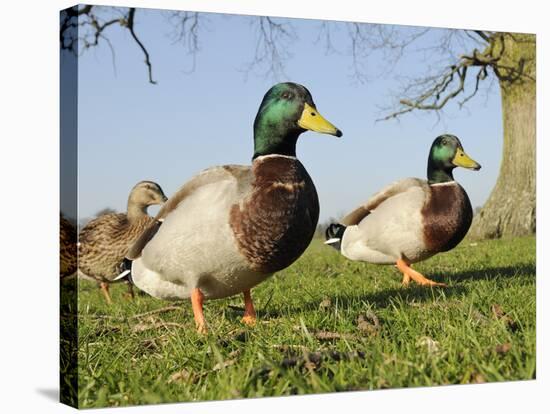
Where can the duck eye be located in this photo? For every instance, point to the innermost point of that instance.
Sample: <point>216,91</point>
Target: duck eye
<point>286,95</point>
<point>313,114</point>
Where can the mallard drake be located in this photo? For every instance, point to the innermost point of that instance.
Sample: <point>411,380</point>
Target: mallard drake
<point>230,227</point>
<point>411,219</point>
<point>104,241</point>
<point>67,247</point>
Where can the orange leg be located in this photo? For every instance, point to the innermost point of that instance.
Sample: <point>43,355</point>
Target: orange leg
<point>409,273</point>
<point>105,290</point>
<point>249,317</point>
<point>406,279</point>
<point>197,300</point>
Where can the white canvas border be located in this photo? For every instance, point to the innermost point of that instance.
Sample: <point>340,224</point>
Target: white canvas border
<point>29,304</point>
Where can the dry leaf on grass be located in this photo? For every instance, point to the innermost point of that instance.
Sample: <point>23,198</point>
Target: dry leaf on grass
<point>180,376</point>
<point>330,336</point>
<point>187,376</point>
<point>368,324</point>
<point>325,304</point>
<point>154,343</point>
<point>503,348</point>
<point>477,378</point>
<point>234,354</point>
<point>478,317</point>
<point>497,310</point>
<point>289,347</point>
<point>325,335</point>
<point>221,365</point>
<point>314,360</point>
<point>105,330</point>
<point>431,346</point>
<point>499,314</point>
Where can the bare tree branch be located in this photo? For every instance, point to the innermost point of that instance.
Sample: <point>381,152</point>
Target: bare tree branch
<point>186,27</point>
<point>434,92</point>
<point>324,36</point>
<point>83,27</point>
<point>485,36</point>
<point>477,38</point>
<point>113,55</point>
<point>445,76</point>
<point>438,87</point>
<point>97,30</point>
<point>481,75</point>
<point>130,25</point>
<point>272,47</point>
<point>366,39</point>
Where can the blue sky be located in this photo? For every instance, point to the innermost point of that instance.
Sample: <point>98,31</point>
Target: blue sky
<point>130,130</point>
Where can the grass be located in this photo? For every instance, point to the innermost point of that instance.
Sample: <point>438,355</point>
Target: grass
<point>325,324</point>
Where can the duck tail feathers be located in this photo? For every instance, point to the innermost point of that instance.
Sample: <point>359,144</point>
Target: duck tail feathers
<point>334,234</point>
<point>125,271</point>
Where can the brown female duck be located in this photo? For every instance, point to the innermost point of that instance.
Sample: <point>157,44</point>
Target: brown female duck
<point>104,241</point>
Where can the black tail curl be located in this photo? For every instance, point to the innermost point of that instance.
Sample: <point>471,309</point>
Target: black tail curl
<point>127,265</point>
<point>335,231</point>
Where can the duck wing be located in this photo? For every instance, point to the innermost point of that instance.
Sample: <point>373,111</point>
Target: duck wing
<point>387,192</point>
<point>240,173</point>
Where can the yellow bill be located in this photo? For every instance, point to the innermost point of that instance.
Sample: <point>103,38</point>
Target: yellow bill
<point>461,159</point>
<point>314,121</point>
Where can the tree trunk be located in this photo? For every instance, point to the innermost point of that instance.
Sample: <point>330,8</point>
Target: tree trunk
<point>510,209</point>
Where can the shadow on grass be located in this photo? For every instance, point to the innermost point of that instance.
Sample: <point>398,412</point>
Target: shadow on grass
<point>413,293</point>
<point>523,270</point>
<point>381,299</point>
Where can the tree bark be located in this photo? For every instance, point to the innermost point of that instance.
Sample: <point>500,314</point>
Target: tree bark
<point>511,207</point>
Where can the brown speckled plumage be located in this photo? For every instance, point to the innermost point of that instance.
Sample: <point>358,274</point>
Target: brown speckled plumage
<point>67,248</point>
<point>447,216</point>
<point>276,222</point>
<point>104,243</point>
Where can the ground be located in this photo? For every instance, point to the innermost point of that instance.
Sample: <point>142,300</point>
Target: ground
<point>325,324</point>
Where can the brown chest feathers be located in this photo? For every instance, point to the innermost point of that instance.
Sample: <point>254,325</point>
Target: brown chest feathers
<point>447,217</point>
<point>276,222</point>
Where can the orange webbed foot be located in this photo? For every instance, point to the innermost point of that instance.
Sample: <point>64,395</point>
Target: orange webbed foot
<point>409,273</point>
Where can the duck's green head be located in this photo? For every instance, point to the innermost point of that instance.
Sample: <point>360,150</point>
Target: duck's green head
<point>446,154</point>
<point>286,111</point>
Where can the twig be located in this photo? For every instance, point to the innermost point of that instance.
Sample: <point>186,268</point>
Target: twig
<point>153,312</point>
<point>186,28</point>
<point>480,76</point>
<point>274,40</point>
<point>483,35</point>
<point>142,327</point>
<point>131,14</point>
